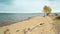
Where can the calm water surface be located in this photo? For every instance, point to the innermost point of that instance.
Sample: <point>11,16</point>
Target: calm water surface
<point>15,17</point>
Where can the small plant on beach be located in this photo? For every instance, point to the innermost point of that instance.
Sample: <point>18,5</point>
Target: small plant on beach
<point>46,10</point>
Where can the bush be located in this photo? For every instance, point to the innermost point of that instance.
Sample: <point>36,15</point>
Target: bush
<point>58,17</point>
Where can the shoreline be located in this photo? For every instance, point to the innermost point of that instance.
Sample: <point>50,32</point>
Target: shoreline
<point>31,22</point>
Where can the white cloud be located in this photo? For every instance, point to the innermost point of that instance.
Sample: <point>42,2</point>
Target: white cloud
<point>30,6</point>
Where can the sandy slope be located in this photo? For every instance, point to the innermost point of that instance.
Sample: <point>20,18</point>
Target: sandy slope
<point>34,25</point>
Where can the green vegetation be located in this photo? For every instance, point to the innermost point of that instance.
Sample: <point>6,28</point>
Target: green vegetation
<point>58,17</point>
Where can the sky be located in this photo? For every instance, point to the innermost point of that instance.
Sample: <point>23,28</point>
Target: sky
<point>28,6</point>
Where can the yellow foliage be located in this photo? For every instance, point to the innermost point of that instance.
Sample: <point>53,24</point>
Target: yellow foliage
<point>46,9</point>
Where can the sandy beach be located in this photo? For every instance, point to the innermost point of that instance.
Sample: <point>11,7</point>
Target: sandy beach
<point>33,25</point>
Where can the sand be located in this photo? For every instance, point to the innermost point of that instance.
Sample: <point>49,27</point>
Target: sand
<point>33,25</point>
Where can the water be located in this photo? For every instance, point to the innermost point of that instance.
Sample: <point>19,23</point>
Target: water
<point>15,17</point>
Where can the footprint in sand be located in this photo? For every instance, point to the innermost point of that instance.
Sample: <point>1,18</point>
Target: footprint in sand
<point>7,31</point>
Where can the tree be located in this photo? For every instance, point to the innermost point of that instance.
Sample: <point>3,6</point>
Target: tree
<point>47,10</point>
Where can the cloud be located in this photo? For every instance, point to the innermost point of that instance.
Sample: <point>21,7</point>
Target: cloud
<point>27,6</point>
<point>6,2</point>
<point>23,6</point>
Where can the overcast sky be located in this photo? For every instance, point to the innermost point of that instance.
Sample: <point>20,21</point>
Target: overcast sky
<point>28,6</point>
